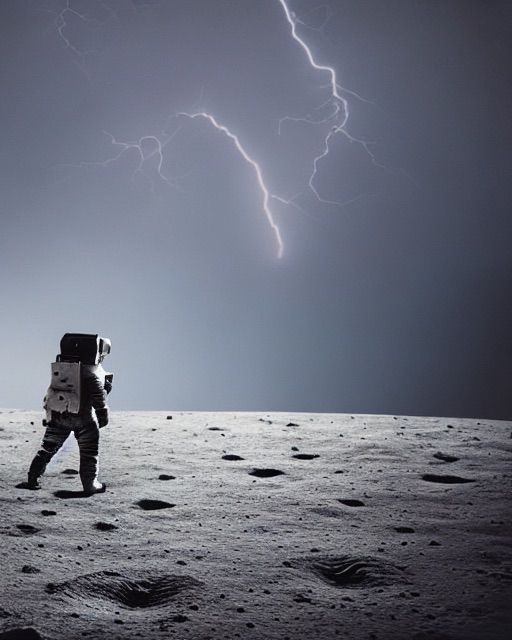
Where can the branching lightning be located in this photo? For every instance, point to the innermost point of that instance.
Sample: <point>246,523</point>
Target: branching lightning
<point>257,170</point>
<point>61,24</point>
<point>337,106</point>
<point>146,148</point>
<point>334,114</point>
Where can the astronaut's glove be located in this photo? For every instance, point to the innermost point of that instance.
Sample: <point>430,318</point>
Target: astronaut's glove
<point>108,386</point>
<point>102,415</point>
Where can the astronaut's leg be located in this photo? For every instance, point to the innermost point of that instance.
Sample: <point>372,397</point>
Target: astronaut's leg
<point>53,439</point>
<point>88,439</point>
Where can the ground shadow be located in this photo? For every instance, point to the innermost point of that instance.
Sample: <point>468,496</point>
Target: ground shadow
<point>25,485</point>
<point>67,495</point>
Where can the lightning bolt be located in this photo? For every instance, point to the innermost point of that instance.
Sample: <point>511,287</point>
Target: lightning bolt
<point>146,148</point>
<point>257,170</point>
<point>337,105</point>
<point>61,24</point>
<point>333,113</point>
<point>68,16</point>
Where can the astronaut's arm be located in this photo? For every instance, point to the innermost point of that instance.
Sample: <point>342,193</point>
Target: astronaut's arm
<point>98,398</point>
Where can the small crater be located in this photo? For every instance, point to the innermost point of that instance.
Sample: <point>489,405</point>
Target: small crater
<point>46,512</point>
<point>349,502</point>
<point>301,598</point>
<point>353,571</point>
<point>232,456</point>
<point>70,472</point>
<point>328,512</point>
<point>404,529</point>
<point>164,476</point>
<point>179,618</point>
<point>105,526</point>
<point>432,477</point>
<point>153,505</point>
<point>445,457</point>
<point>27,568</point>
<point>137,590</point>
<point>266,473</point>
<point>215,429</point>
<point>27,529</point>
<point>305,456</point>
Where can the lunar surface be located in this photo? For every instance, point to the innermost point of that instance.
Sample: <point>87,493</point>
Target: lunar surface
<point>254,525</point>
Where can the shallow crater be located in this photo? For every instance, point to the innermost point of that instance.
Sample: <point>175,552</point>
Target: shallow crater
<point>354,571</point>
<point>133,590</point>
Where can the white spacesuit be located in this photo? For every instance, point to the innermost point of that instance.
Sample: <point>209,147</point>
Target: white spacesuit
<point>76,401</point>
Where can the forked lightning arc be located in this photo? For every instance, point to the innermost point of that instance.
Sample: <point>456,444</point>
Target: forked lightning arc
<point>152,146</point>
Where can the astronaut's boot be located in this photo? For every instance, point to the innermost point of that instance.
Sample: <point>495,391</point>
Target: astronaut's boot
<point>33,482</point>
<point>93,487</point>
<point>89,474</point>
<point>87,438</point>
<point>37,468</point>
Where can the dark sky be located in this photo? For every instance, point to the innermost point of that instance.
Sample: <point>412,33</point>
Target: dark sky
<point>398,300</point>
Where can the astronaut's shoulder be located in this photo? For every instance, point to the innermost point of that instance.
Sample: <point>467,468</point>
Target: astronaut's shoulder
<point>92,372</point>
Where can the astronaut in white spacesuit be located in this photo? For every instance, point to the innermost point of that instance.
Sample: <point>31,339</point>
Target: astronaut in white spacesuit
<point>76,401</point>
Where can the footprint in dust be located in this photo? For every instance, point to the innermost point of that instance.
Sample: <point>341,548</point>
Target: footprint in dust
<point>266,473</point>
<point>232,456</point>
<point>432,477</point>
<point>351,503</point>
<point>445,457</point>
<point>70,472</point>
<point>305,456</point>
<point>153,505</point>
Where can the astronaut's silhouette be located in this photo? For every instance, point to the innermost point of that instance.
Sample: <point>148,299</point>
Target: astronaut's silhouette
<point>76,401</point>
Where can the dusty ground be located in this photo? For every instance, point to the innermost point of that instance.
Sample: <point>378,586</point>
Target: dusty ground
<point>240,556</point>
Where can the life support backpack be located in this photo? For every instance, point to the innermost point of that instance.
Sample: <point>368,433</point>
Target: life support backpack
<point>64,391</point>
<point>77,350</point>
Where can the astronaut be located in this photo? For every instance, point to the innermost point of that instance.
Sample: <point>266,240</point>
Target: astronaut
<point>76,401</point>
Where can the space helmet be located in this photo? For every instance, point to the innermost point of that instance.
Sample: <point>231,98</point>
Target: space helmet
<point>87,348</point>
